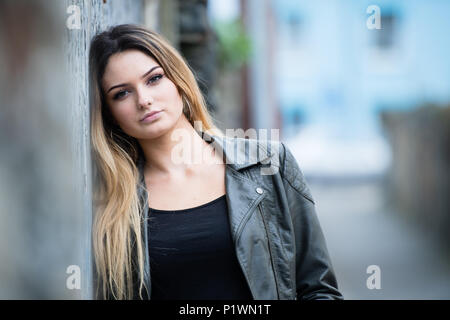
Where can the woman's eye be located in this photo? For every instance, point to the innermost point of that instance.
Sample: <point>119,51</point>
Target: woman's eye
<point>119,94</point>
<point>155,78</point>
<point>151,80</point>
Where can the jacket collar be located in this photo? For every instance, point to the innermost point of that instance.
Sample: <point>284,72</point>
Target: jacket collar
<point>243,193</point>
<point>239,153</point>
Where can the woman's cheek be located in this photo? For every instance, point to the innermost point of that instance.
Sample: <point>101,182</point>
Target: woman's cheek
<point>125,119</point>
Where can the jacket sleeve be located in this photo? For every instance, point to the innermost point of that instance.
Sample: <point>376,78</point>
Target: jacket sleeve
<point>315,278</point>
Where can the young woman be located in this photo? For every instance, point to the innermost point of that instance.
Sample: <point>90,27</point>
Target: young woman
<point>189,213</point>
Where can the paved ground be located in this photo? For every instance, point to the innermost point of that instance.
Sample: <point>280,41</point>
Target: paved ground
<point>361,230</point>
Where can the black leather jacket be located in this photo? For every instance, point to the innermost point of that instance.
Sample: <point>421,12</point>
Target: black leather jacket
<point>278,239</point>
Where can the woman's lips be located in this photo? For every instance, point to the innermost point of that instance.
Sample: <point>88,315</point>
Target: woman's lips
<point>152,116</point>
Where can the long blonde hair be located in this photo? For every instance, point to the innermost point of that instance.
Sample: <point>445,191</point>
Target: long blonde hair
<point>116,233</point>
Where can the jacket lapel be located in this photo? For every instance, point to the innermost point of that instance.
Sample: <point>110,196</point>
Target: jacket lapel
<point>241,192</point>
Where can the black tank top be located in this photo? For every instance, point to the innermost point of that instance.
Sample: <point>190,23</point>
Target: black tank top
<point>192,255</point>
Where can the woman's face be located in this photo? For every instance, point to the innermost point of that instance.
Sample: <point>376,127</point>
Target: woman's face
<point>135,85</point>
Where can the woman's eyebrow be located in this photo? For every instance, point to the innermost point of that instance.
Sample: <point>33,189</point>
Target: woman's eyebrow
<point>143,76</point>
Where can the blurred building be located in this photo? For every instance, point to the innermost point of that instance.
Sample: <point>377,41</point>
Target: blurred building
<point>338,71</point>
<point>319,74</point>
<point>334,75</point>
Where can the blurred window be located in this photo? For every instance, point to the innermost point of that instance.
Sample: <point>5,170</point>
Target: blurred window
<point>384,37</point>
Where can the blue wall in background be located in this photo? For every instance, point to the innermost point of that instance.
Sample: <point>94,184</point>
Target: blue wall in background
<point>333,72</point>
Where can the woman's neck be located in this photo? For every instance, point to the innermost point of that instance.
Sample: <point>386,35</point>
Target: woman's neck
<point>180,149</point>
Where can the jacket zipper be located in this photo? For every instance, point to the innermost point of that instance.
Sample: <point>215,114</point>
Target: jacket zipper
<point>238,235</point>
<point>268,241</point>
<point>270,249</point>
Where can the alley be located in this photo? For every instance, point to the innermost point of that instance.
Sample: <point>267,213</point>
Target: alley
<point>361,230</point>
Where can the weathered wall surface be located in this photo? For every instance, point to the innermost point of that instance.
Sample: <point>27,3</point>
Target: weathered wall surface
<point>85,18</point>
<point>41,217</point>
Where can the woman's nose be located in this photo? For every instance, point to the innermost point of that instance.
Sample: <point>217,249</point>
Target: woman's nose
<point>144,98</point>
